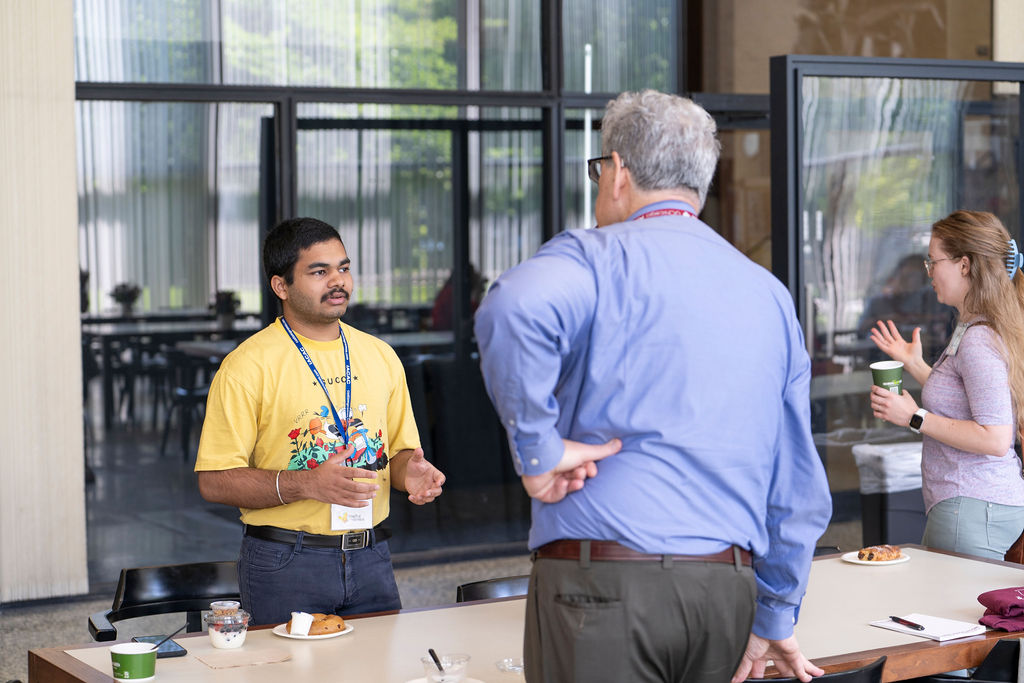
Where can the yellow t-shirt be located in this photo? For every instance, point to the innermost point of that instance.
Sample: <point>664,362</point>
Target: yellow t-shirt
<point>266,410</point>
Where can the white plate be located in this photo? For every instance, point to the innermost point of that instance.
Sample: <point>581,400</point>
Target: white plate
<point>282,630</point>
<point>464,680</point>
<point>852,559</point>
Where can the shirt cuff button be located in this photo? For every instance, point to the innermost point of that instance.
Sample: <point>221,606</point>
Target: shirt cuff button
<point>534,461</point>
<point>511,422</point>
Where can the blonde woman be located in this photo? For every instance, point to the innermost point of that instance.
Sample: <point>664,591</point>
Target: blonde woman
<point>972,396</point>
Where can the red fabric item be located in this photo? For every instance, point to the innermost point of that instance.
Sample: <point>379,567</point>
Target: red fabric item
<point>994,620</point>
<point>1006,602</point>
<point>1004,609</point>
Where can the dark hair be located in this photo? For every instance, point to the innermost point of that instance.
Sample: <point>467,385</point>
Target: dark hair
<point>284,242</point>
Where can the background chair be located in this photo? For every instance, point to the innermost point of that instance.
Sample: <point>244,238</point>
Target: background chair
<point>872,673</point>
<point>504,587</point>
<point>191,378</point>
<point>999,666</point>
<point>145,591</point>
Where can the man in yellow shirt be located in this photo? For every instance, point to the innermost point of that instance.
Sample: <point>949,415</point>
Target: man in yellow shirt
<point>308,425</point>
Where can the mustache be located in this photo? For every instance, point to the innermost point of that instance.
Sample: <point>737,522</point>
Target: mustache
<point>335,292</point>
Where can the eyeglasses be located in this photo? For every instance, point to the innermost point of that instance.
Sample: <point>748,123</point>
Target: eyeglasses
<point>594,167</point>
<point>929,264</point>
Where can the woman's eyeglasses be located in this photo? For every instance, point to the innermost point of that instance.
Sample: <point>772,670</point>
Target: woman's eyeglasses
<point>929,264</point>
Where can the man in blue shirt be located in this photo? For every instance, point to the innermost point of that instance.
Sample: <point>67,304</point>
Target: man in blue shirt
<point>655,347</point>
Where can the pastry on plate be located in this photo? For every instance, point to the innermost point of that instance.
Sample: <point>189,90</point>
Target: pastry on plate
<point>880,553</point>
<point>322,624</point>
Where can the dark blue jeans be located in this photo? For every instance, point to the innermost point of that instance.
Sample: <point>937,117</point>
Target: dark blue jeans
<point>276,579</point>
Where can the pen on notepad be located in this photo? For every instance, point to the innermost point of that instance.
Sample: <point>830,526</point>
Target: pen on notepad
<point>908,624</point>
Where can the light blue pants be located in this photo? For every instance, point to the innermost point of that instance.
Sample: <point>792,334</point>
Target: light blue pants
<point>973,527</point>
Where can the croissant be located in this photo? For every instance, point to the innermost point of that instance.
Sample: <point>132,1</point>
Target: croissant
<point>880,553</point>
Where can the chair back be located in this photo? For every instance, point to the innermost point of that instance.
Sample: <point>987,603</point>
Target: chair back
<point>872,673</point>
<point>145,591</point>
<point>999,666</point>
<point>505,587</point>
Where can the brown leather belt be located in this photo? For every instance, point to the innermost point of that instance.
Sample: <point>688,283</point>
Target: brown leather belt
<point>616,552</point>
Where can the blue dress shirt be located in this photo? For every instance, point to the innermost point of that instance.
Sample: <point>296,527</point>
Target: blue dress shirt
<point>659,332</point>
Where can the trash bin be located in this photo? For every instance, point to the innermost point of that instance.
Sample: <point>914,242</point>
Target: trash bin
<point>892,508</point>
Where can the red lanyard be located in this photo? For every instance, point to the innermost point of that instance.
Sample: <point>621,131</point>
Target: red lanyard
<point>665,212</point>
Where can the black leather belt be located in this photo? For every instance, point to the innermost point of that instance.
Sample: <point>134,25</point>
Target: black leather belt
<point>353,540</point>
<point>616,552</point>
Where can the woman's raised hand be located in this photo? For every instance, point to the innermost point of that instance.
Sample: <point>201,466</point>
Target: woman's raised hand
<point>888,338</point>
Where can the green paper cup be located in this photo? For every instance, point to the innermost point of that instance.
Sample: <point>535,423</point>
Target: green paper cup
<point>133,661</point>
<point>888,374</point>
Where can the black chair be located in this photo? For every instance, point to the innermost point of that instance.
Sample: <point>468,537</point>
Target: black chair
<point>505,587</point>
<point>146,591</point>
<point>872,673</point>
<point>188,397</point>
<point>999,666</point>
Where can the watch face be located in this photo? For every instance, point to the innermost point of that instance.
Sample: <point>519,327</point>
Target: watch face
<point>916,420</point>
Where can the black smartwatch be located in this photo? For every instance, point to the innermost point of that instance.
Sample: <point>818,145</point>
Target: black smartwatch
<point>917,419</point>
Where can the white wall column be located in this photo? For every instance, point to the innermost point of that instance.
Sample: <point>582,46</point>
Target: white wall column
<point>42,496</point>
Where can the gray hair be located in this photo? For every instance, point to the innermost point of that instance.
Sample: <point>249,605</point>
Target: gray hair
<point>666,141</point>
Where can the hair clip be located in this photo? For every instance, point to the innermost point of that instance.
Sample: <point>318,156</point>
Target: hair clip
<point>1014,259</point>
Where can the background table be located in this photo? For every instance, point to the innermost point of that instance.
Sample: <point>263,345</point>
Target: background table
<point>110,334</point>
<point>403,343</point>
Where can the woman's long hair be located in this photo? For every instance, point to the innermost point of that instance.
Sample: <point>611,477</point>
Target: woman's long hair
<point>992,293</point>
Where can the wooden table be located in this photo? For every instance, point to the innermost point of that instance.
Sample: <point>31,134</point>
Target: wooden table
<point>841,599</point>
<point>833,630</point>
<point>383,648</point>
<point>109,334</point>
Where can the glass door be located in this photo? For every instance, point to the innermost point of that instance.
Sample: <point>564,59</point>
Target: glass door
<point>866,156</point>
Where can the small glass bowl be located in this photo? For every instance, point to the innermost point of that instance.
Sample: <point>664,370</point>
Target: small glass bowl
<point>227,630</point>
<point>454,668</point>
<point>510,665</point>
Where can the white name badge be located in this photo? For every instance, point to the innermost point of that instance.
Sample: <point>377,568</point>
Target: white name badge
<point>344,518</point>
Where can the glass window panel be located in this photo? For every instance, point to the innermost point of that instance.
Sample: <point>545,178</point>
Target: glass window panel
<point>582,142</point>
<point>167,197</point>
<point>387,185</point>
<point>881,160</point>
<point>741,35</point>
<point>510,54</point>
<point>633,43</point>
<point>388,191</point>
<point>330,43</point>
<point>506,188</point>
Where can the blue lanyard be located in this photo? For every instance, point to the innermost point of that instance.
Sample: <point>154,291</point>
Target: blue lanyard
<point>342,426</point>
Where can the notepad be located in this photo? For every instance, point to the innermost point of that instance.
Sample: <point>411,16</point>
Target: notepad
<point>935,628</point>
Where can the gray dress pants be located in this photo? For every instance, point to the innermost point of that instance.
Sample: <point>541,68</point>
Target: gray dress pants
<point>636,621</point>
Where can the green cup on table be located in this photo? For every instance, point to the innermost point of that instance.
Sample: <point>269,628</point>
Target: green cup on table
<point>133,661</point>
<point>888,374</point>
